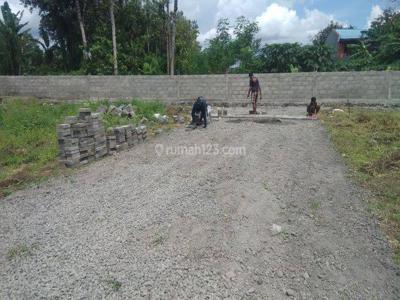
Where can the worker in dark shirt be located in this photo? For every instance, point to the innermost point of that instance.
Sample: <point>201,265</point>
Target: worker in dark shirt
<point>313,108</point>
<point>199,107</point>
<point>254,89</point>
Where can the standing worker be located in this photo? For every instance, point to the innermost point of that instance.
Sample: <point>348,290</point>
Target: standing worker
<point>254,89</point>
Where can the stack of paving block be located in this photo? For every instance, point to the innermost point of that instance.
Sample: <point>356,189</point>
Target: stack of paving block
<point>131,136</point>
<point>69,146</point>
<point>83,138</point>
<point>120,136</point>
<point>100,142</point>
<point>111,141</point>
<point>139,133</point>
<point>144,132</point>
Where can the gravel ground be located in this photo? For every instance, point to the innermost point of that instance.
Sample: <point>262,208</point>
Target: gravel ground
<point>139,225</point>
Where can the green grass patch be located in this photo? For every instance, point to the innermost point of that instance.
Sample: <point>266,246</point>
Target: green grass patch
<point>369,141</point>
<point>20,251</point>
<point>315,205</point>
<point>159,239</point>
<point>114,284</point>
<point>28,141</point>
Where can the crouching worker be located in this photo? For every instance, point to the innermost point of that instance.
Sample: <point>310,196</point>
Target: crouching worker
<point>199,112</point>
<point>313,108</point>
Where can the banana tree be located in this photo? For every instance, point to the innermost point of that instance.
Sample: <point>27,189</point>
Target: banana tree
<point>12,40</point>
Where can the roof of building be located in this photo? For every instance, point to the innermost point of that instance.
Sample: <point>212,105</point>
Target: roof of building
<point>350,34</point>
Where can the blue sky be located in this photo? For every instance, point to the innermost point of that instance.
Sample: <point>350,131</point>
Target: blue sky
<point>354,12</point>
<point>279,20</point>
<point>283,20</point>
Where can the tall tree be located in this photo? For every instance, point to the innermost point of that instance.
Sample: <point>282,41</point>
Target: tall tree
<point>188,50</point>
<point>383,38</point>
<point>82,28</point>
<point>173,37</point>
<point>321,36</point>
<point>246,46</point>
<point>13,39</point>
<point>280,58</point>
<point>168,34</point>
<point>114,37</point>
<point>59,19</point>
<point>219,53</point>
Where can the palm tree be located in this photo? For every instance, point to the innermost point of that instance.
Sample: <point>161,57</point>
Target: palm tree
<point>12,40</point>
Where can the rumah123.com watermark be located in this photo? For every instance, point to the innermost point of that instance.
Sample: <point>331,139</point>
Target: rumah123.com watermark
<point>202,149</point>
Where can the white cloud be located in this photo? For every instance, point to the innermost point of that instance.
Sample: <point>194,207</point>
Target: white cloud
<point>278,23</point>
<point>203,37</point>
<point>376,12</point>
<point>249,8</point>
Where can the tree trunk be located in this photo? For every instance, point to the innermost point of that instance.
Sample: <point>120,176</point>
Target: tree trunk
<point>82,27</point>
<point>168,34</point>
<point>147,26</point>
<point>172,66</point>
<point>114,38</point>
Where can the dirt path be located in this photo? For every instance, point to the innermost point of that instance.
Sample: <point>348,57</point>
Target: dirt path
<point>195,227</point>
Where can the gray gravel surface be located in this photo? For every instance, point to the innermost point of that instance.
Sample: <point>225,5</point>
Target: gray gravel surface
<point>138,225</point>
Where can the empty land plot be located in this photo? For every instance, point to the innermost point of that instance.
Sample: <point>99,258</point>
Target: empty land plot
<point>184,225</point>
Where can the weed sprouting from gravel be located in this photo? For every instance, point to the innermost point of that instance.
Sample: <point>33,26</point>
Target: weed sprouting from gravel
<point>285,235</point>
<point>159,239</point>
<point>315,205</point>
<point>114,284</point>
<point>20,250</point>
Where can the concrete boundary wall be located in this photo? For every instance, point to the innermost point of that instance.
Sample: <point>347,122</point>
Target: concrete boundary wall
<point>295,88</point>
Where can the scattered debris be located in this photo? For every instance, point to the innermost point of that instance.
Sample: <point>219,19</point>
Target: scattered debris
<point>127,111</point>
<point>179,119</point>
<point>337,110</point>
<point>276,229</point>
<point>158,131</point>
<point>162,119</point>
<point>102,109</point>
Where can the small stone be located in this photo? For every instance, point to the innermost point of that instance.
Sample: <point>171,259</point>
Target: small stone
<point>148,284</point>
<point>163,119</point>
<point>280,274</point>
<point>230,274</point>
<point>276,229</point>
<point>306,276</point>
<point>181,119</point>
<point>290,293</point>
<point>102,109</point>
<point>251,291</point>
<point>158,131</point>
<point>84,110</point>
